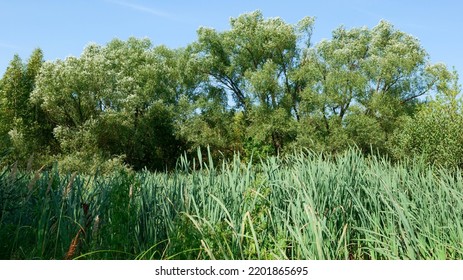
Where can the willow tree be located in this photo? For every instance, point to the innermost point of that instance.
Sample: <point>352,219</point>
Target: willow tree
<point>114,101</point>
<point>252,63</point>
<point>358,85</point>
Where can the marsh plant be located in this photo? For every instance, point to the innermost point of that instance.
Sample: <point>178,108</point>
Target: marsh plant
<point>302,206</point>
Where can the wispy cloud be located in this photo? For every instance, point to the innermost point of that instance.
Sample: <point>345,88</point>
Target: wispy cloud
<point>398,21</point>
<point>143,9</point>
<point>369,13</point>
<point>7,46</point>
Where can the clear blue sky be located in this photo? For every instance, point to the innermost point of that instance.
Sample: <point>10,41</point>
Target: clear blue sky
<point>64,27</point>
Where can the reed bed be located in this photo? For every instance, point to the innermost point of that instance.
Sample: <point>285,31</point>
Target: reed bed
<point>303,206</point>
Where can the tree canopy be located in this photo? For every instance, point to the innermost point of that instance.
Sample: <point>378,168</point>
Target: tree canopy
<point>260,88</point>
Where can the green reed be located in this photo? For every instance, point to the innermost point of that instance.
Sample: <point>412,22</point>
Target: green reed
<point>303,206</point>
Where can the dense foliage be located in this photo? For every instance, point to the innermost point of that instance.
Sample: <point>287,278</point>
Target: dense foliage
<point>299,207</point>
<point>260,88</point>
<point>350,148</point>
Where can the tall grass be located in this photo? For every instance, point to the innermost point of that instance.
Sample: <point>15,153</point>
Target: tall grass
<point>303,206</point>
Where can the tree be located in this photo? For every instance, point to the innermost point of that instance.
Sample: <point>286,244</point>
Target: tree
<point>434,133</point>
<point>13,99</point>
<point>253,63</point>
<point>360,83</point>
<point>114,101</point>
<point>39,127</point>
<point>258,88</point>
<point>24,126</point>
<point>14,91</point>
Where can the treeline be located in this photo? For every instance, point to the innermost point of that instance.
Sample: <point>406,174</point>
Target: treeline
<point>260,88</point>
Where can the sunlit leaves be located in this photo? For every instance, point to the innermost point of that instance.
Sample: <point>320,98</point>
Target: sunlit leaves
<point>259,87</point>
<point>120,96</point>
<point>435,131</point>
<point>254,62</point>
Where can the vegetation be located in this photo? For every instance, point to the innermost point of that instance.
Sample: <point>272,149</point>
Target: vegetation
<point>349,148</point>
<point>261,88</point>
<point>302,206</point>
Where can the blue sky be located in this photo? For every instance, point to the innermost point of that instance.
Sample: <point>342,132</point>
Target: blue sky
<point>64,27</point>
